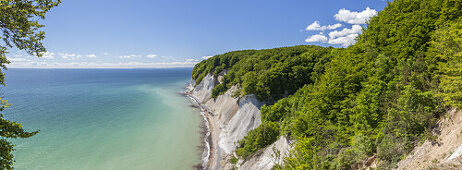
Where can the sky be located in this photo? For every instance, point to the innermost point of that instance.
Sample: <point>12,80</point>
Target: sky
<point>174,33</point>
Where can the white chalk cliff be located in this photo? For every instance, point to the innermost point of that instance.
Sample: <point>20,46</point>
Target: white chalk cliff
<point>235,118</point>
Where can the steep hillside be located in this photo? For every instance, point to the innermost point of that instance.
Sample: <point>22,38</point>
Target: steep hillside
<point>441,152</point>
<point>234,112</point>
<point>378,98</point>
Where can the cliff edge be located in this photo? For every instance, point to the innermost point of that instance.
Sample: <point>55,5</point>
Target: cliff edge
<point>230,119</point>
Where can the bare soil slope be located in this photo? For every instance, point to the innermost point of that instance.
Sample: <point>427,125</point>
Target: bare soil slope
<point>445,153</point>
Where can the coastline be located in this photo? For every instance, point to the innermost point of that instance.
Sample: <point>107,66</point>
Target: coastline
<point>211,154</point>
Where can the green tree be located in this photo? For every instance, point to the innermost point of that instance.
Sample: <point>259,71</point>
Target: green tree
<point>447,47</point>
<point>341,105</point>
<point>19,23</point>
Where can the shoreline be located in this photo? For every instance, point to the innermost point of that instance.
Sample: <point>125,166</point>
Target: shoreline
<point>207,148</point>
<point>210,156</point>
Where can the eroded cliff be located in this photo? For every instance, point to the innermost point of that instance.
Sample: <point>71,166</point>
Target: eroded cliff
<point>231,118</point>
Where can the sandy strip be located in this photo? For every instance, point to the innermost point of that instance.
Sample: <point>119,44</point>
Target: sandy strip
<point>213,161</point>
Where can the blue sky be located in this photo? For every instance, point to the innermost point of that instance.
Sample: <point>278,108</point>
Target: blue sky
<point>174,33</point>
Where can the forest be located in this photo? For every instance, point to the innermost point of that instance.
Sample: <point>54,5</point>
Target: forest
<point>380,96</point>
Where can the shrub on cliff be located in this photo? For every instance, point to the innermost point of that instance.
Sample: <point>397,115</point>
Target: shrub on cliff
<point>258,138</point>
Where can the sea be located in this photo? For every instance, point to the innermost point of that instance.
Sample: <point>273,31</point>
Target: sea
<point>103,119</point>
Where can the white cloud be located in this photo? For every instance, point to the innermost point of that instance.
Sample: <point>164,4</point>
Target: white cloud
<point>17,59</point>
<point>91,56</point>
<point>355,29</point>
<point>151,56</point>
<point>206,57</point>
<point>353,17</point>
<point>192,60</point>
<point>345,37</point>
<point>66,55</point>
<point>335,26</point>
<point>317,38</point>
<point>69,60</point>
<point>69,56</point>
<point>105,53</point>
<point>168,57</point>
<point>345,41</point>
<point>127,56</point>
<point>35,64</point>
<point>316,26</point>
<point>48,55</point>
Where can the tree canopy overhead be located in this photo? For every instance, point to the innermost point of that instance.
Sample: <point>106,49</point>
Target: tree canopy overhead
<point>20,27</point>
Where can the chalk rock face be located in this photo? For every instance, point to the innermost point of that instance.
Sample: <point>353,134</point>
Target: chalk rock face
<point>245,119</point>
<point>235,118</point>
<point>203,90</point>
<point>266,158</point>
<point>224,106</point>
<point>444,155</point>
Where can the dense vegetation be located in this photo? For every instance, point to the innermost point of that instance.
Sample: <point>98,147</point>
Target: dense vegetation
<point>270,74</point>
<point>379,96</point>
<point>21,29</point>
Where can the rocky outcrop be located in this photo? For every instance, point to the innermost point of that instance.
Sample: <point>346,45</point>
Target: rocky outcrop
<point>224,106</point>
<point>245,119</point>
<point>268,157</point>
<point>235,117</point>
<point>203,90</point>
<point>445,152</point>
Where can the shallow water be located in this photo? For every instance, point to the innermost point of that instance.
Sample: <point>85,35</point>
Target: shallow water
<point>103,119</point>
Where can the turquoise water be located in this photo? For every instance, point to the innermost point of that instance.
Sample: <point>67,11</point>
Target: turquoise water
<point>103,119</point>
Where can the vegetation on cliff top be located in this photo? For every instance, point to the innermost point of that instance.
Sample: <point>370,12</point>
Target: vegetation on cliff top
<point>270,74</point>
<point>379,96</point>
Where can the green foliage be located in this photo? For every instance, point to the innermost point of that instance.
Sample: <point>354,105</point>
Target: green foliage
<point>391,149</point>
<point>218,63</point>
<point>270,74</point>
<point>304,151</point>
<point>382,87</point>
<point>360,149</point>
<point>258,138</point>
<point>447,47</point>
<point>381,95</point>
<point>21,29</point>
<point>234,160</point>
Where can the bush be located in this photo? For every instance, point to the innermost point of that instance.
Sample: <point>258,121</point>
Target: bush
<point>258,138</point>
<point>391,149</point>
<point>234,160</point>
<point>360,149</point>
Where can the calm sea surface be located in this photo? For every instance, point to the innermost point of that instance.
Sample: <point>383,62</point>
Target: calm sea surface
<point>103,118</point>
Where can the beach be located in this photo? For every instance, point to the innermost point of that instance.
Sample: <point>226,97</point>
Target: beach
<point>211,157</point>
